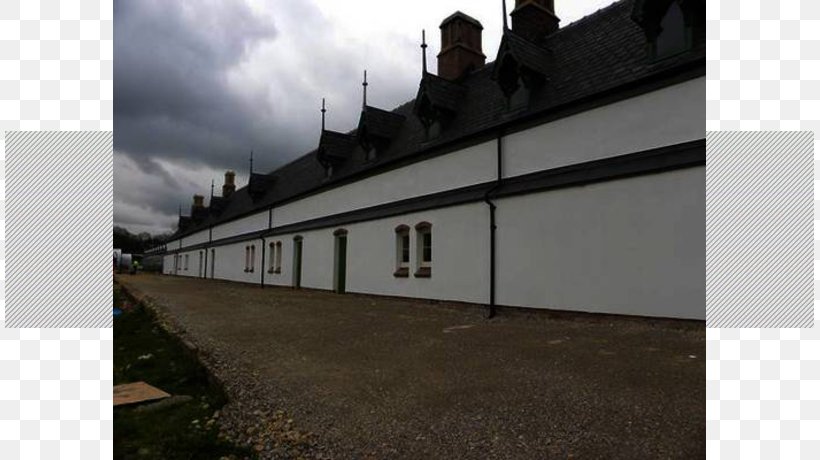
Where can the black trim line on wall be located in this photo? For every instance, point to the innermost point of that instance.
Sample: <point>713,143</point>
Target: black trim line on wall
<point>668,158</point>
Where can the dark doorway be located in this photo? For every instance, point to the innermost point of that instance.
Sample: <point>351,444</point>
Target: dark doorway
<point>297,262</point>
<point>340,259</point>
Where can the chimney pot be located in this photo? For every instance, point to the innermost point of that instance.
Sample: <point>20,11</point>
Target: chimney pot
<point>199,201</point>
<point>461,49</point>
<point>534,19</point>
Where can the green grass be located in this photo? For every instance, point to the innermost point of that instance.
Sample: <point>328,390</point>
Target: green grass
<point>143,351</point>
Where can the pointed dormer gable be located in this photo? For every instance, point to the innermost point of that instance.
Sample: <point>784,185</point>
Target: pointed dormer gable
<point>217,205</point>
<point>438,100</point>
<point>184,223</point>
<point>521,61</point>
<point>671,26</point>
<point>335,149</point>
<point>377,128</point>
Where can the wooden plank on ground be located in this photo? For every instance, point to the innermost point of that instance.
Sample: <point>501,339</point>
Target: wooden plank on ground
<point>132,393</point>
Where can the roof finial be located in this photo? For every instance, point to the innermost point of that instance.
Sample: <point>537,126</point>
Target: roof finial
<point>212,189</point>
<point>423,52</point>
<point>251,161</point>
<point>504,11</point>
<point>323,114</point>
<point>364,94</point>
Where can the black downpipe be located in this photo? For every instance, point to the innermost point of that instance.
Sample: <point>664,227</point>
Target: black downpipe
<point>262,266</point>
<point>492,206</point>
<point>205,268</point>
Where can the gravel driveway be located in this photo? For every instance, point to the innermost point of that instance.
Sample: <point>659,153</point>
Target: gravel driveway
<point>371,377</point>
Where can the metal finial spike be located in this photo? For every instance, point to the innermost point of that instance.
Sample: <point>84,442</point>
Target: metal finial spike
<point>364,94</point>
<point>504,10</point>
<point>212,189</point>
<point>423,51</point>
<point>251,162</point>
<point>323,114</point>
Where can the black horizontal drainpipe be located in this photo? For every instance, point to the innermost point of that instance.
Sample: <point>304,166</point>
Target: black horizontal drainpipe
<point>488,200</point>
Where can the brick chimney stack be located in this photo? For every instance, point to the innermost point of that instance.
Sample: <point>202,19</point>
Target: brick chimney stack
<point>229,187</point>
<point>199,202</point>
<point>534,19</point>
<point>460,46</point>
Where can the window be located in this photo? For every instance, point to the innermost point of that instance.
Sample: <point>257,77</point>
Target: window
<point>402,251</point>
<point>278,268</point>
<point>247,259</point>
<point>186,262</point>
<point>275,265</point>
<point>424,250</point>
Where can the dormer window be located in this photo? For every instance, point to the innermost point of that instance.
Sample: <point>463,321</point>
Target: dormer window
<point>672,27</point>
<point>334,150</point>
<point>437,103</point>
<point>674,35</point>
<point>521,68</point>
<point>377,129</point>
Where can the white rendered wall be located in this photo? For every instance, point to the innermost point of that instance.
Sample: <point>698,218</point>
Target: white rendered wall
<point>460,264</point>
<point>196,238</point>
<point>252,223</point>
<point>469,166</point>
<point>317,259</point>
<point>460,257</point>
<point>634,246</point>
<point>193,270</point>
<point>671,115</point>
<point>168,264</point>
<point>230,262</point>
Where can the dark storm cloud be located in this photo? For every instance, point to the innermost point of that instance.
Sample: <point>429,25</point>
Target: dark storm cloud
<point>170,93</point>
<point>200,84</point>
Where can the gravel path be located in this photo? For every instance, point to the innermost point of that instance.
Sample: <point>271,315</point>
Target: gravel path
<point>319,375</point>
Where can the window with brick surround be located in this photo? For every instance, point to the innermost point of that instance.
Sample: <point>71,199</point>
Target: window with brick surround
<point>402,251</point>
<point>424,250</point>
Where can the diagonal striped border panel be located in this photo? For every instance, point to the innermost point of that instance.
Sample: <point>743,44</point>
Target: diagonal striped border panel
<point>759,229</point>
<point>59,194</point>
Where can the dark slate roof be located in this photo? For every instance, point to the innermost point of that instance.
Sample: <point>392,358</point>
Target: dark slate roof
<point>601,52</point>
<point>460,15</point>
<point>381,123</point>
<point>259,184</point>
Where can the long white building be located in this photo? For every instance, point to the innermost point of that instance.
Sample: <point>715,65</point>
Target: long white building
<point>567,174</point>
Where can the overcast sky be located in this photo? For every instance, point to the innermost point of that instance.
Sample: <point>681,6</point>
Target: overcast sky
<point>198,84</point>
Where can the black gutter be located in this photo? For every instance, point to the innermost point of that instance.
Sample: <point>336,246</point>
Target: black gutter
<point>492,206</point>
<point>262,265</point>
